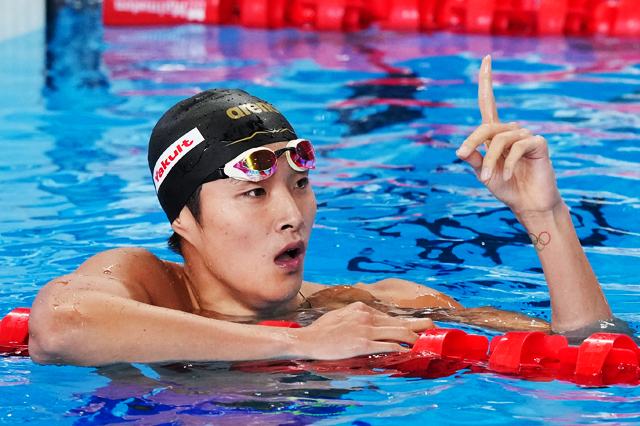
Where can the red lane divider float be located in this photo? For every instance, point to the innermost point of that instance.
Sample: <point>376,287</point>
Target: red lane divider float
<point>528,17</point>
<point>516,350</point>
<point>14,333</point>
<point>602,359</point>
<point>284,324</point>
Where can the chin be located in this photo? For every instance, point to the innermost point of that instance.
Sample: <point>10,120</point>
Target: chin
<point>282,292</point>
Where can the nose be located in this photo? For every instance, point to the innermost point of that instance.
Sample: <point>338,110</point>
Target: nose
<point>289,212</point>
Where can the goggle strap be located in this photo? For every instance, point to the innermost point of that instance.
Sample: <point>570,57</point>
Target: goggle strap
<point>215,175</point>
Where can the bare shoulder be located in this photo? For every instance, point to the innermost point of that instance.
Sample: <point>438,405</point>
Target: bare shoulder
<point>127,264</point>
<point>408,294</point>
<point>395,291</point>
<point>309,288</point>
<point>132,273</point>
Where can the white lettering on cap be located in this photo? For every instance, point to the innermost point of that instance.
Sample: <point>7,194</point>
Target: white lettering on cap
<point>173,154</point>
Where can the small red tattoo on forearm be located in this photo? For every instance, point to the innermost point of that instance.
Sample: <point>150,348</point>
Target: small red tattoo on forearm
<point>540,241</point>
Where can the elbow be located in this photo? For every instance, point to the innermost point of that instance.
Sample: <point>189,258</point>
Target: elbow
<point>45,340</point>
<point>45,350</point>
<point>50,331</point>
<point>39,352</point>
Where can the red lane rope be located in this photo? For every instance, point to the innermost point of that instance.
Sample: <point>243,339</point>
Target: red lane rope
<point>14,333</point>
<point>602,359</point>
<point>522,17</point>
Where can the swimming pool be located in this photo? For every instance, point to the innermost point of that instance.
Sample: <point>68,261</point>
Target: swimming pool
<point>387,112</point>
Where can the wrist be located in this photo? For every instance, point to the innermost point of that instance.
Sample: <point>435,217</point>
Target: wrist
<point>298,343</point>
<point>274,342</point>
<point>534,220</point>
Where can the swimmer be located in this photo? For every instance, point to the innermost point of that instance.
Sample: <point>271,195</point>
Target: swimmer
<point>232,177</point>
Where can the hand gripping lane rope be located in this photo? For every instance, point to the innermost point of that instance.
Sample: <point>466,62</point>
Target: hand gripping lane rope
<point>602,359</point>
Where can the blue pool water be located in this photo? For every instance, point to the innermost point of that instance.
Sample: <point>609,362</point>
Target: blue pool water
<point>387,112</point>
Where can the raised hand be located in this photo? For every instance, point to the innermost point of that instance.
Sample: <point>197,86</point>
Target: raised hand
<point>516,167</point>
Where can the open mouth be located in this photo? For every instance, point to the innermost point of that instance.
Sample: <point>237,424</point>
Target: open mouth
<point>288,255</point>
<point>290,252</point>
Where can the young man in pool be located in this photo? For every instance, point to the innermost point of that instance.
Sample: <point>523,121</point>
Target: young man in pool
<point>232,177</point>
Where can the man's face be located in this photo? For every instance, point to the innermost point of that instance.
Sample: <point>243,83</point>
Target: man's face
<point>253,239</point>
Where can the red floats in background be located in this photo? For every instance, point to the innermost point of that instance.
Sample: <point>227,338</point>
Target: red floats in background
<point>522,17</point>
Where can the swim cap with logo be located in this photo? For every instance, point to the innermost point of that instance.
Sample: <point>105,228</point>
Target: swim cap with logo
<point>201,134</point>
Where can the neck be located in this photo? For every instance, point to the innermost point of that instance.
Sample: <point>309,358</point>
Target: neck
<point>213,297</point>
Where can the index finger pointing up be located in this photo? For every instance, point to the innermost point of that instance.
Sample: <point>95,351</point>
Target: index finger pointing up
<point>486,99</point>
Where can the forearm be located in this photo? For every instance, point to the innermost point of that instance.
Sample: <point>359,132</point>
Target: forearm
<point>98,328</point>
<point>576,296</point>
<point>488,317</point>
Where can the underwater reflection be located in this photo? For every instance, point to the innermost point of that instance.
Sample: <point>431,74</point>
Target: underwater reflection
<point>166,393</point>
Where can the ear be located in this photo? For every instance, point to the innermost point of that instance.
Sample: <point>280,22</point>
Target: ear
<point>187,227</point>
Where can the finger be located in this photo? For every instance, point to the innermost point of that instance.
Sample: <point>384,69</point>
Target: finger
<point>486,100</point>
<point>393,334</point>
<point>382,347</point>
<point>420,324</point>
<point>483,133</point>
<point>475,161</point>
<point>499,145</point>
<point>366,314</point>
<point>519,149</point>
<point>360,313</point>
<point>380,319</point>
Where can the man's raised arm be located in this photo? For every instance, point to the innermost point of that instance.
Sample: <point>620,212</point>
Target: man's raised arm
<point>517,170</point>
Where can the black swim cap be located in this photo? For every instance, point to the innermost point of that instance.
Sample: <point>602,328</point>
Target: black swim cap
<point>201,134</point>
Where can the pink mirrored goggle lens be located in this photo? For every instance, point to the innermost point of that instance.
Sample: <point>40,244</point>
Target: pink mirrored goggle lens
<point>261,163</point>
<point>258,165</point>
<point>304,155</point>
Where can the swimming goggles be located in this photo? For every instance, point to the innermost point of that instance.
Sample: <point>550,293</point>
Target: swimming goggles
<point>258,164</point>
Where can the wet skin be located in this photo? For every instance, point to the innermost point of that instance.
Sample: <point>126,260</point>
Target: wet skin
<point>245,258</point>
<point>240,249</point>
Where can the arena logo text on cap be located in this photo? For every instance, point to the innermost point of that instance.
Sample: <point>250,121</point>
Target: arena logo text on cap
<point>174,153</point>
<point>249,108</point>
